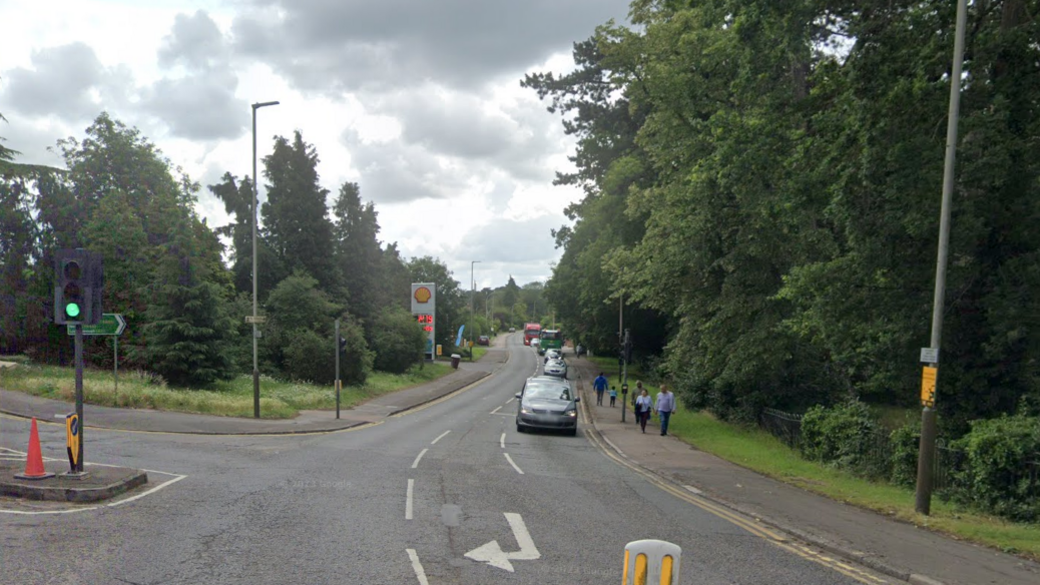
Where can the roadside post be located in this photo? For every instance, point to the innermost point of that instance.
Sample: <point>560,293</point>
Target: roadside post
<point>651,562</point>
<point>339,348</point>
<point>626,355</point>
<point>110,325</point>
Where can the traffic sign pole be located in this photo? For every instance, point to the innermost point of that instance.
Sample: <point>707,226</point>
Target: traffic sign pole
<point>79,395</point>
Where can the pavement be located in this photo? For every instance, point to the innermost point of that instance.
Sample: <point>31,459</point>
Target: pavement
<point>889,546</point>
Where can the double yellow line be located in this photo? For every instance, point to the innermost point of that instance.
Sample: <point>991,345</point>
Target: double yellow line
<point>778,539</point>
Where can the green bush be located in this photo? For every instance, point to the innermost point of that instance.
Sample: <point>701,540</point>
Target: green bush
<point>846,436</point>
<point>1001,455</point>
<point>398,341</point>
<point>905,450</point>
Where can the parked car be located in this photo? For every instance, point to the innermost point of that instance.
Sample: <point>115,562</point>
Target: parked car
<point>556,368</point>
<point>483,340</point>
<point>547,403</point>
<point>552,354</point>
<point>535,343</point>
<point>512,329</point>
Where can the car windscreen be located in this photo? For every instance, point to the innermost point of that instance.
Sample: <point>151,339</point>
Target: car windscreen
<point>548,392</point>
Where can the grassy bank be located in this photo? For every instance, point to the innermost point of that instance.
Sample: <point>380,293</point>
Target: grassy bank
<point>278,399</point>
<point>760,451</point>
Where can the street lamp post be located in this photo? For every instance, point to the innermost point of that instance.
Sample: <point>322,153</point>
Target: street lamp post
<point>256,368</point>
<point>472,293</point>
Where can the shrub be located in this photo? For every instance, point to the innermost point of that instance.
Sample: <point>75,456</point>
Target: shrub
<point>846,436</point>
<point>905,450</point>
<point>1000,471</point>
<point>398,341</point>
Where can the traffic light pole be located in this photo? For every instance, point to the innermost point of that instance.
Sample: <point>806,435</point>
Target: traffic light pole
<point>79,395</point>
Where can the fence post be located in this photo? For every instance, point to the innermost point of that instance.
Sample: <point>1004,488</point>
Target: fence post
<point>651,562</point>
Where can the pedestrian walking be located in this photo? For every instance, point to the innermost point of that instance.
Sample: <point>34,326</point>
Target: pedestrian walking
<point>643,406</point>
<point>600,385</point>
<point>635,396</point>
<point>665,407</point>
<point>613,396</point>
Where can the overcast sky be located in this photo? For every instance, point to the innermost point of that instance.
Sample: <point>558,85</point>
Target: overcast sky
<point>418,101</point>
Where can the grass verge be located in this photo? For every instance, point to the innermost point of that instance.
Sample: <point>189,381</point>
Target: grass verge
<point>234,397</point>
<point>758,450</point>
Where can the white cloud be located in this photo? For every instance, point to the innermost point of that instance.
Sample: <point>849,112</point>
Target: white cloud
<point>418,103</point>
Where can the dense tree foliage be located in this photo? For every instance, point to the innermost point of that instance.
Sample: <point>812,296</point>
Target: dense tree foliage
<point>767,176</point>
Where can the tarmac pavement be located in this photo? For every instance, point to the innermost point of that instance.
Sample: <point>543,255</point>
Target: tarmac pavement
<point>889,546</point>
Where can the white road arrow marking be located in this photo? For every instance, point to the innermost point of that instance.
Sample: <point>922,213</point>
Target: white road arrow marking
<point>492,554</point>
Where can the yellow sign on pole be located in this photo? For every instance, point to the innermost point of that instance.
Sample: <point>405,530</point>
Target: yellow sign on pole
<point>928,377</point>
<point>72,439</point>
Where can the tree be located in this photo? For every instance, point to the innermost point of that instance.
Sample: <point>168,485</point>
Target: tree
<point>188,320</point>
<point>358,255</point>
<point>295,214</point>
<point>236,197</point>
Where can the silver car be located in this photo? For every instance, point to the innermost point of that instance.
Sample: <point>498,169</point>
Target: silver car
<point>547,403</point>
<point>552,354</point>
<point>557,368</point>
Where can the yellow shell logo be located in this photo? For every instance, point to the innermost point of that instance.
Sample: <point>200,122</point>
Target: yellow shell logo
<point>423,294</point>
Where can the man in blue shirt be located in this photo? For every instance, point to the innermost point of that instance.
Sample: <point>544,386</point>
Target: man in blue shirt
<point>665,407</point>
<point>600,385</point>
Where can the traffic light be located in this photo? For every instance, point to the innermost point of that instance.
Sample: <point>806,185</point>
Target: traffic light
<point>342,344</point>
<point>78,284</point>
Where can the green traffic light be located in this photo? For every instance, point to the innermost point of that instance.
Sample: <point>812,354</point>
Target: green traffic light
<point>72,309</point>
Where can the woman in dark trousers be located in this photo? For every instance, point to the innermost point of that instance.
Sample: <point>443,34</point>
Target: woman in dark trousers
<point>643,406</point>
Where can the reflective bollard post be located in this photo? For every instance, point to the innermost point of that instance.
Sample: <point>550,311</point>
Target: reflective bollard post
<point>651,562</point>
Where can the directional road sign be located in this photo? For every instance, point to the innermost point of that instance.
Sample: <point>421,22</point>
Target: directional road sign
<point>110,324</point>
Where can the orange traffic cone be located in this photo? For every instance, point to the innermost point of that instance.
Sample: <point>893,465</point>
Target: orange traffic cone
<point>34,459</point>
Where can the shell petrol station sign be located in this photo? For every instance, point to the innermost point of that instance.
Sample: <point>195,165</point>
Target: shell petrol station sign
<point>424,305</point>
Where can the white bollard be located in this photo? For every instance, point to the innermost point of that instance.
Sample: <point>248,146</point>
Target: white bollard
<point>652,562</point>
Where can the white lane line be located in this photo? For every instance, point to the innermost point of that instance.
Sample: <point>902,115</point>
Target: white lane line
<point>416,462</point>
<point>510,460</point>
<point>502,441</point>
<point>440,437</point>
<point>408,500</point>
<point>417,567</point>
<point>151,491</point>
<point>497,408</point>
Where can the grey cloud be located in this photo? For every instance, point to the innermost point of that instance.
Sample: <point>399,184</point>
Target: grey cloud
<point>517,139</point>
<point>513,241</point>
<point>332,45</point>
<point>195,41</point>
<point>62,82</point>
<point>201,105</point>
<point>393,172</point>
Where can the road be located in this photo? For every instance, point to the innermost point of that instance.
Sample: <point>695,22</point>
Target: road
<point>400,502</point>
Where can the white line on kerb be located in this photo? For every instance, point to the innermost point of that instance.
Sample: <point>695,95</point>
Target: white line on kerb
<point>417,567</point>
<point>151,491</point>
<point>510,460</point>
<point>408,500</point>
<point>502,441</point>
<point>440,437</point>
<point>416,462</point>
<point>497,408</point>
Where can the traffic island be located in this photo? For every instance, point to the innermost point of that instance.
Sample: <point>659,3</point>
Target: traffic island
<point>100,483</point>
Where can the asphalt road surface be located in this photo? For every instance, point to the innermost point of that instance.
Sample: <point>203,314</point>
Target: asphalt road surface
<point>448,493</point>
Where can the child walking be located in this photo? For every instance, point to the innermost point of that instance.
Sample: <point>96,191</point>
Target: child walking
<point>613,395</point>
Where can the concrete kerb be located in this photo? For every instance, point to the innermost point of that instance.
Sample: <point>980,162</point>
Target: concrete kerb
<point>450,393</point>
<point>101,483</point>
<point>795,533</point>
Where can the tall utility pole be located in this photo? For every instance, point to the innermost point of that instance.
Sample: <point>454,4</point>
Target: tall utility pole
<point>926,454</point>
<point>256,332</point>
<point>472,293</point>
